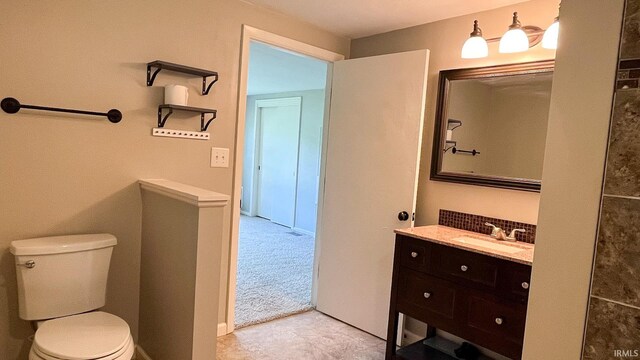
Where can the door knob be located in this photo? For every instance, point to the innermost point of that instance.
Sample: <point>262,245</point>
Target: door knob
<point>403,216</point>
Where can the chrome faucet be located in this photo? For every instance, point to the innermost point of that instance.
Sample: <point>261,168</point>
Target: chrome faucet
<point>497,232</point>
<point>500,234</point>
<point>512,236</point>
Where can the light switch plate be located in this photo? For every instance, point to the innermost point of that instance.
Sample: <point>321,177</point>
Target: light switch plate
<point>219,157</point>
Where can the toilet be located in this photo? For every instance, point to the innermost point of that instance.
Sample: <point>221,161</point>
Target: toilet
<point>62,282</point>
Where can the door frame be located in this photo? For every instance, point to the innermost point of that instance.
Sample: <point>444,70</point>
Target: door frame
<point>254,204</point>
<point>249,34</point>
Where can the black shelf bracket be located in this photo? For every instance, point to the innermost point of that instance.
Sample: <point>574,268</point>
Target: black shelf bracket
<point>203,126</point>
<point>12,106</point>
<point>154,67</point>
<point>205,88</point>
<point>453,124</point>
<point>449,144</point>
<point>162,118</point>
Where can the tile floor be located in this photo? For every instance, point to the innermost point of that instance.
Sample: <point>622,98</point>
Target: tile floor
<point>307,336</point>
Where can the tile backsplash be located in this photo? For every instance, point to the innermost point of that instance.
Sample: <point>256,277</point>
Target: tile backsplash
<point>475,223</point>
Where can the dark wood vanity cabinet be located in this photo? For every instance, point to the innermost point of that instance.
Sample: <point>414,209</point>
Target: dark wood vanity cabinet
<point>480,298</point>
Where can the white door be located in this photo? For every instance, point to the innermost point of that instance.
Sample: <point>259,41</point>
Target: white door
<point>375,131</point>
<point>279,121</point>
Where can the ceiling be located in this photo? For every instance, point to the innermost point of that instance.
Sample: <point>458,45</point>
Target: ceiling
<point>272,70</point>
<point>359,18</point>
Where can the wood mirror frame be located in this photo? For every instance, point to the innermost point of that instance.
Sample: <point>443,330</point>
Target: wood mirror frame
<point>545,66</point>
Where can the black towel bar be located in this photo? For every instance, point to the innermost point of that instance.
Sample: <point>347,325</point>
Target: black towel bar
<point>473,152</point>
<point>12,106</point>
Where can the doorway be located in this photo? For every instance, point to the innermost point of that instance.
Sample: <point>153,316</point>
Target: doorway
<point>279,191</point>
<point>355,218</point>
<point>249,35</point>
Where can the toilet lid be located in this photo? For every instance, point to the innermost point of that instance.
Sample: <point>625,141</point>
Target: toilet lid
<point>81,337</point>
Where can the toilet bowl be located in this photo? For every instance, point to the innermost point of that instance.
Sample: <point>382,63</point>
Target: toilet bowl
<point>91,336</point>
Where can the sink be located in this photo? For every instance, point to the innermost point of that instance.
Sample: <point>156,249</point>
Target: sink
<point>489,245</point>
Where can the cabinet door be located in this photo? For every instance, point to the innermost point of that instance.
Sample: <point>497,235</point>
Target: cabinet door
<point>496,324</point>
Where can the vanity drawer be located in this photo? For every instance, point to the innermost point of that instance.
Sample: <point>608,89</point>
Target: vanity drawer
<point>502,320</point>
<point>464,266</point>
<point>423,296</point>
<point>414,253</point>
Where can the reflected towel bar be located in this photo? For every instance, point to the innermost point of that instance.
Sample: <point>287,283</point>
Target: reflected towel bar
<point>472,152</point>
<point>12,106</point>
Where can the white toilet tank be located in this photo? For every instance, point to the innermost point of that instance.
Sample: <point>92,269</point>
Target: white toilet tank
<point>62,275</point>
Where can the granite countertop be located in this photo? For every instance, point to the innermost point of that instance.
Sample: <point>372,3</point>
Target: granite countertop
<point>446,236</point>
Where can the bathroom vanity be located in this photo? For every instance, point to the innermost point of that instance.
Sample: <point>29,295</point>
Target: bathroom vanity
<point>464,283</point>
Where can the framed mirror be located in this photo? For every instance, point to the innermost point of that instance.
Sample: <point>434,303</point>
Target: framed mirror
<point>491,125</point>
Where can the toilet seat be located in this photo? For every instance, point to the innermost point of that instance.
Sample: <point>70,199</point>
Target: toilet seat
<point>126,353</point>
<point>91,336</point>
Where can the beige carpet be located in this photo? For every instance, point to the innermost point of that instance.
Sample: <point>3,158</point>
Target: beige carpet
<point>275,266</point>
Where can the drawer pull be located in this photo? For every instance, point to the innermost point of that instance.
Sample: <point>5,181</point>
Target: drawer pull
<point>499,321</point>
<point>464,268</point>
<point>414,254</point>
<point>427,295</point>
<point>525,285</point>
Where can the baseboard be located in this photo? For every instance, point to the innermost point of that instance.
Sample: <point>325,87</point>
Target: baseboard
<point>140,354</point>
<point>410,338</point>
<point>222,329</point>
<point>306,232</point>
<point>245,213</point>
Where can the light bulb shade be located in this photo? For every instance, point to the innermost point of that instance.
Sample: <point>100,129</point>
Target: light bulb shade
<point>514,40</point>
<point>550,38</point>
<point>475,47</point>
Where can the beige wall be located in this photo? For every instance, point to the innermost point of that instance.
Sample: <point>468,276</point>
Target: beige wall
<point>179,275</point>
<point>469,102</point>
<point>572,178</point>
<point>518,132</point>
<point>65,174</point>
<point>168,277</point>
<point>444,39</point>
<point>507,125</point>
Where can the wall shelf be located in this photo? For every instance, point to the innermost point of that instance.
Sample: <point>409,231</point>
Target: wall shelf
<point>453,124</point>
<point>162,119</point>
<point>164,65</point>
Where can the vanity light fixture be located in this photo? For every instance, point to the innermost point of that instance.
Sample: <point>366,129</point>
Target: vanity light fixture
<point>550,38</point>
<point>515,39</point>
<point>518,38</point>
<point>476,46</point>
